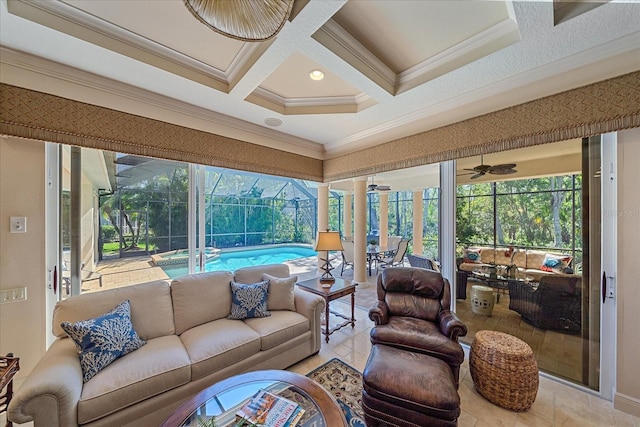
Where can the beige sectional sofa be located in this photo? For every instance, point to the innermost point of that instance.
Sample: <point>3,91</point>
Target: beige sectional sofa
<point>529,262</point>
<point>190,344</point>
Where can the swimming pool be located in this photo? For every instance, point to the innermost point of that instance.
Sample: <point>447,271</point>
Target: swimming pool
<point>231,261</point>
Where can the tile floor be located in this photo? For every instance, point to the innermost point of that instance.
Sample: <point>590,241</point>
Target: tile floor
<point>556,353</point>
<point>556,404</point>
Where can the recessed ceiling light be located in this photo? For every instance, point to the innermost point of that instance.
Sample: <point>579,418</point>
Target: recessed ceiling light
<point>316,75</point>
<point>272,121</point>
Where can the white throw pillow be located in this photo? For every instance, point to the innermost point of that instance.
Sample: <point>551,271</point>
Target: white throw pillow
<point>281,292</point>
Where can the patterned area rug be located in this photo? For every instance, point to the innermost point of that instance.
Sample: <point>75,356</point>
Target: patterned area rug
<point>345,384</point>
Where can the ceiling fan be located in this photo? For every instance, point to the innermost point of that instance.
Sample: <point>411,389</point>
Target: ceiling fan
<point>374,187</point>
<point>482,169</point>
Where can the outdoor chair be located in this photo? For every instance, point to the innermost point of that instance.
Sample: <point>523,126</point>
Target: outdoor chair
<point>421,261</point>
<point>397,258</point>
<point>85,275</point>
<point>392,244</point>
<point>348,255</point>
<point>554,305</point>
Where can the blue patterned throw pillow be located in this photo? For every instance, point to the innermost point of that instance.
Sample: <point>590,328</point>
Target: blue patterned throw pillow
<point>249,301</point>
<point>556,263</point>
<point>103,339</point>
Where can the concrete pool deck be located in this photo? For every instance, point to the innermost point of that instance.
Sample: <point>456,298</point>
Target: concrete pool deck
<point>129,271</point>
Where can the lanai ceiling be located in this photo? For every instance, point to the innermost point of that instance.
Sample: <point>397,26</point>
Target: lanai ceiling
<point>392,68</point>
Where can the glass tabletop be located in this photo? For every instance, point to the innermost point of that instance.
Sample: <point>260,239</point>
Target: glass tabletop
<point>519,277</point>
<point>220,409</point>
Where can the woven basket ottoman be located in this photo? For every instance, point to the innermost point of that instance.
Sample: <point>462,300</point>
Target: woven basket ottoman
<point>504,370</point>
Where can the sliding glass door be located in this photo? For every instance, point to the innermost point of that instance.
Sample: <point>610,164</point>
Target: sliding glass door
<point>551,227</point>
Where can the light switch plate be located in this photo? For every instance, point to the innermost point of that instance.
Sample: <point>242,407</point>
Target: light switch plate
<point>18,224</point>
<point>13,295</point>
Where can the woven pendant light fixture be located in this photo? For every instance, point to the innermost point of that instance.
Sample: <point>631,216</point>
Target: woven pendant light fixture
<point>247,20</point>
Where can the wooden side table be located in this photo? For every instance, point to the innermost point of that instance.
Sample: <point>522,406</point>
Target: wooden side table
<point>9,366</point>
<point>337,290</point>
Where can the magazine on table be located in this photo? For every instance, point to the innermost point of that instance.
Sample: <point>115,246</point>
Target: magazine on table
<point>268,410</point>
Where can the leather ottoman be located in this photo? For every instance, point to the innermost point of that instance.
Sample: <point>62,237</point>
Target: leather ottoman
<point>403,388</point>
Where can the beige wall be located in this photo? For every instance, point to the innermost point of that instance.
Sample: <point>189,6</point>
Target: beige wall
<point>627,396</point>
<point>22,256</point>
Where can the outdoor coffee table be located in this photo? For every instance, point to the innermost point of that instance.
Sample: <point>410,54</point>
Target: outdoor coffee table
<point>500,282</point>
<point>223,399</point>
<point>338,289</point>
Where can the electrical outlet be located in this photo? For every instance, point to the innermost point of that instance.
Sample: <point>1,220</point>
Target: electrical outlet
<point>18,224</point>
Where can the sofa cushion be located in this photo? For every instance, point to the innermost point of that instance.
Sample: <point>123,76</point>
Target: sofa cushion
<point>218,344</point>
<point>161,365</point>
<point>151,308</point>
<point>417,335</point>
<point>249,300</point>
<point>103,339</point>
<point>281,327</point>
<point>254,274</point>
<point>535,259</point>
<point>281,292</point>
<point>200,298</point>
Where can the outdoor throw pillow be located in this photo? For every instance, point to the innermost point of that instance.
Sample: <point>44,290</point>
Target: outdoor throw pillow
<point>472,256</point>
<point>281,292</point>
<point>103,339</point>
<point>556,263</point>
<point>249,301</point>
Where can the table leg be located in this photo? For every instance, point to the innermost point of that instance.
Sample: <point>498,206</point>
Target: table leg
<point>326,320</point>
<point>353,304</point>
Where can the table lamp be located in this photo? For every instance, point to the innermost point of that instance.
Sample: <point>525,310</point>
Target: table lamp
<point>327,241</point>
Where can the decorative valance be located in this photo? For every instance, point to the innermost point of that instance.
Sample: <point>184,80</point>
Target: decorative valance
<point>35,115</point>
<point>606,106</point>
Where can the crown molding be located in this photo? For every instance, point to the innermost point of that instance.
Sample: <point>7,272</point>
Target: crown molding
<point>625,50</point>
<point>466,51</point>
<point>84,81</point>
<point>335,38</point>
<point>310,105</point>
<point>85,26</point>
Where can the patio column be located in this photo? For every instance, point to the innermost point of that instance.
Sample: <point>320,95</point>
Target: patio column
<point>323,216</point>
<point>360,231</point>
<point>417,222</point>
<point>348,215</point>
<point>384,218</point>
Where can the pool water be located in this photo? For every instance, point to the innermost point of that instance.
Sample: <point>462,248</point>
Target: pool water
<point>231,261</point>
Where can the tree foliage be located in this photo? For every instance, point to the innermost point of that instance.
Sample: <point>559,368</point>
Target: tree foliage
<point>536,212</point>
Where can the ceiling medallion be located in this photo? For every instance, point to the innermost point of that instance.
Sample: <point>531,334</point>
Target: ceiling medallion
<point>316,75</point>
<point>246,20</point>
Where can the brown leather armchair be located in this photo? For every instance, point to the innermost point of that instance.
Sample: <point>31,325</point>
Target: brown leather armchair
<point>413,313</point>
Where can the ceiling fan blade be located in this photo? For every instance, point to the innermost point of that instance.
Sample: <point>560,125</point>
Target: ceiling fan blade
<point>383,188</point>
<point>502,171</point>
<point>504,166</point>
<point>478,175</point>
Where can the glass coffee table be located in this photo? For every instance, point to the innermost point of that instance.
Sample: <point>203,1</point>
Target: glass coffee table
<point>222,400</point>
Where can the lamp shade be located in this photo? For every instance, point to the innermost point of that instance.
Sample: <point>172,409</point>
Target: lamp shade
<point>328,241</point>
<point>247,20</point>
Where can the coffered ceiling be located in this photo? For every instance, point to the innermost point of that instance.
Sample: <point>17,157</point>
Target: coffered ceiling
<point>392,68</point>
